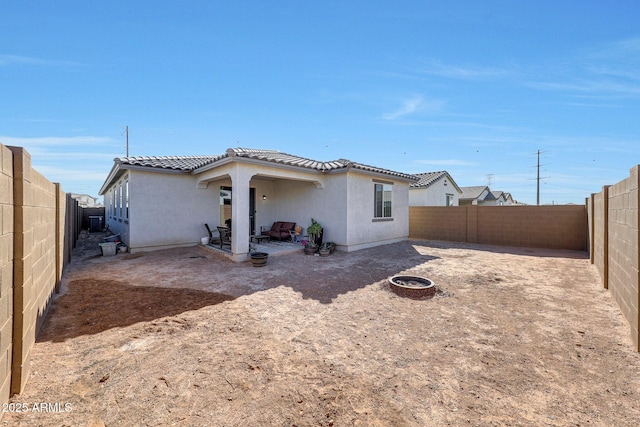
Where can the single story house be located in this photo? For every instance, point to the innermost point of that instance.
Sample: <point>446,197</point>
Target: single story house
<point>502,198</point>
<point>476,195</point>
<point>482,195</point>
<point>434,189</point>
<point>163,202</point>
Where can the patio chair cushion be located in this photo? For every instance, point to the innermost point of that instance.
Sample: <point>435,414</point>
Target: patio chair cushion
<point>280,230</point>
<point>287,226</point>
<point>276,226</point>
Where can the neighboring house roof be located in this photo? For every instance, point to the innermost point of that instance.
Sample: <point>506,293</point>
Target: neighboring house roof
<point>426,179</point>
<point>473,192</point>
<point>194,164</point>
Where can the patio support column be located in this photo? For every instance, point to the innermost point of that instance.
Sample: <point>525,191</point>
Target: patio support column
<point>240,178</point>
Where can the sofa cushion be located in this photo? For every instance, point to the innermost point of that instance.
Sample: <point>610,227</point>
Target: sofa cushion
<point>286,226</point>
<point>276,226</point>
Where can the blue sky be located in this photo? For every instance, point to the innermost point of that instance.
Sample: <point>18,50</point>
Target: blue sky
<point>472,87</point>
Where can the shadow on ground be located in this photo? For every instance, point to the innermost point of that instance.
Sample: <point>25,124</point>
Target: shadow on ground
<point>93,306</point>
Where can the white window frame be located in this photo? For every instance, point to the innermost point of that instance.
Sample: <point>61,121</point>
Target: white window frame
<point>449,200</point>
<point>382,200</point>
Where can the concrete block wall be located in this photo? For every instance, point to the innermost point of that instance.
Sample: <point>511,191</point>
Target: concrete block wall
<point>554,227</point>
<point>34,249</point>
<point>614,244</point>
<point>599,241</point>
<point>6,271</point>
<point>438,223</point>
<point>35,263</point>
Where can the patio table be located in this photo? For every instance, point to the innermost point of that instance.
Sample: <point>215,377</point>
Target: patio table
<point>259,237</point>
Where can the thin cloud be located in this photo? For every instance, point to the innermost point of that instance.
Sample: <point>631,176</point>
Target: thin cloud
<point>447,162</point>
<point>437,68</point>
<point>609,70</point>
<point>414,105</point>
<point>55,141</point>
<point>74,175</point>
<point>6,60</point>
<point>590,86</point>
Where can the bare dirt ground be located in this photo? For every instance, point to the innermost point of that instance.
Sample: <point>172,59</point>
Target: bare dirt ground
<point>185,337</point>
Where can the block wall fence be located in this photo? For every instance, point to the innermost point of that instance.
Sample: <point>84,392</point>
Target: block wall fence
<point>38,225</point>
<point>552,227</point>
<point>614,220</point>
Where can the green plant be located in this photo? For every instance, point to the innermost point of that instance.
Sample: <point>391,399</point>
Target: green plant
<point>314,231</point>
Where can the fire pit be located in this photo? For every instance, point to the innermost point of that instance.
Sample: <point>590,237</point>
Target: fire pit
<point>412,286</point>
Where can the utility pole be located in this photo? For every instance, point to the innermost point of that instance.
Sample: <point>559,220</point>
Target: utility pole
<point>489,179</point>
<point>126,131</point>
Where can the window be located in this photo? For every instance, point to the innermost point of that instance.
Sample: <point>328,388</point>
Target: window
<point>126,199</point>
<point>449,200</point>
<point>119,202</point>
<point>382,201</point>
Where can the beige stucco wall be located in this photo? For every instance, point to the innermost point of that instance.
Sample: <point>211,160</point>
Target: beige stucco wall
<point>165,210</point>
<point>435,195</point>
<point>363,231</point>
<point>344,207</point>
<point>339,201</point>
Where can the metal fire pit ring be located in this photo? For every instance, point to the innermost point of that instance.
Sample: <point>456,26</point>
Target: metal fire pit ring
<point>412,286</point>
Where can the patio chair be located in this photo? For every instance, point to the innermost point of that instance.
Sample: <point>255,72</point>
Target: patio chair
<point>296,234</point>
<point>225,236</point>
<point>210,233</point>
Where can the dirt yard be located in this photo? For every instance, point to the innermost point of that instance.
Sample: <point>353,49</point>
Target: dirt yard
<point>187,338</point>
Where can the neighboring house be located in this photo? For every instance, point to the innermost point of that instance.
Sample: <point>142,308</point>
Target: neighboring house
<point>501,199</point>
<point>508,200</point>
<point>162,202</point>
<point>434,189</point>
<point>477,195</point>
<point>86,201</point>
<point>482,195</point>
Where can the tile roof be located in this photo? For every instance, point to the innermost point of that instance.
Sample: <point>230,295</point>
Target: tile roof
<point>428,178</point>
<point>472,192</point>
<point>183,163</point>
<point>191,163</point>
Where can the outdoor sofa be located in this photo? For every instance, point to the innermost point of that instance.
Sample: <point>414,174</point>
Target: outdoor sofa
<point>279,230</point>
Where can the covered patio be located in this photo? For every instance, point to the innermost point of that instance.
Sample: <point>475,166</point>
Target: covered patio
<point>272,247</point>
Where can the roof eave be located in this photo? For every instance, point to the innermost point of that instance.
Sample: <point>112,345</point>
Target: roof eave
<point>111,177</point>
<point>119,169</point>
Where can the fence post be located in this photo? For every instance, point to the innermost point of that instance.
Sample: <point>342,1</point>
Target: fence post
<point>591,219</point>
<point>636,206</point>
<point>605,243</point>
<point>21,268</point>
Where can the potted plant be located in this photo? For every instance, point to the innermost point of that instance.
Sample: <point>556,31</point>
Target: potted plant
<point>325,249</point>
<point>315,237</point>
